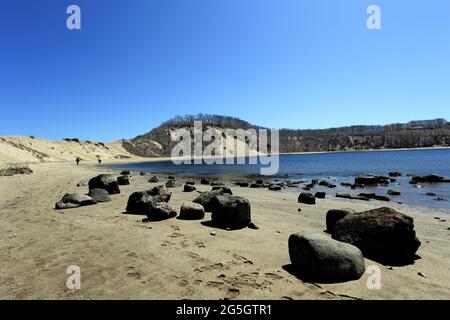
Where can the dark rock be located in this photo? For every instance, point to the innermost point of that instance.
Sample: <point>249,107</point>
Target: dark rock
<point>310,185</point>
<point>216,184</point>
<point>142,173</point>
<point>382,198</point>
<point>346,184</point>
<point>99,195</point>
<point>325,183</point>
<point>191,211</point>
<point>105,181</point>
<point>74,200</point>
<point>306,198</point>
<point>204,181</point>
<point>205,198</point>
<point>431,194</point>
<point>143,202</point>
<point>223,188</point>
<point>189,188</point>
<point>370,195</point>
<point>370,179</point>
<point>320,195</point>
<point>319,258</point>
<point>230,211</point>
<point>394,174</point>
<point>393,192</point>
<point>343,195</point>
<point>170,178</point>
<point>314,181</point>
<point>275,187</point>
<point>125,172</point>
<point>333,216</point>
<point>190,182</point>
<point>161,211</point>
<point>242,184</point>
<point>383,234</point>
<point>256,185</point>
<point>431,178</point>
<point>153,179</point>
<point>171,183</point>
<point>123,180</point>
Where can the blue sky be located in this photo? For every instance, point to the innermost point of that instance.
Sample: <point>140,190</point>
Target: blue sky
<point>276,63</point>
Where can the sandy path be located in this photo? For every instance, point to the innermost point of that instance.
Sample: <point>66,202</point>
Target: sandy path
<point>122,257</point>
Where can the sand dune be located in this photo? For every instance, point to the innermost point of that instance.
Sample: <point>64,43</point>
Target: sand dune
<point>21,149</point>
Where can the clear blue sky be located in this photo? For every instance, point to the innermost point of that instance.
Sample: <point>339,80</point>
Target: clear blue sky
<point>276,63</point>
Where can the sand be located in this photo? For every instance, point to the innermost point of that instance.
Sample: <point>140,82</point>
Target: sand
<point>122,257</point>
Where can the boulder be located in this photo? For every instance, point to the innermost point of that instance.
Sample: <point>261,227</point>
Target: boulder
<point>143,173</point>
<point>205,198</point>
<point>306,198</point>
<point>74,200</point>
<point>153,179</point>
<point>343,195</point>
<point>335,215</point>
<point>191,182</point>
<point>346,184</point>
<point>204,181</point>
<point>161,211</point>
<point>243,184</point>
<point>383,234</point>
<point>125,172</point>
<point>123,180</point>
<point>256,185</point>
<point>393,192</point>
<point>370,195</point>
<point>370,179</point>
<point>189,188</point>
<point>105,181</point>
<point>230,211</point>
<point>320,195</point>
<point>394,174</point>
<point>431,178</point>
<point>275,187</point>
<point>223,188</point>
<point>319,258</point>
<point>143,202</point>
<point>382,198</point>
<point>99,195</point>
<point>171,183</point>
<point>191,211</point>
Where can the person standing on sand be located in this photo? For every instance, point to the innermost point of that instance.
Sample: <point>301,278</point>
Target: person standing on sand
<point>99,161</point>
<point>78,161</point>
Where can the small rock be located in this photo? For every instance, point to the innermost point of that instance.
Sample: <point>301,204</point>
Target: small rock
<point>253,226</point>
<point>422,275</point>
<point>213,233</point>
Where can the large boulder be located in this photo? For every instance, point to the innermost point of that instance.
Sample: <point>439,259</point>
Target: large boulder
<point>224,189</point>
<point>161,211</point>
<point>188,188</point>
<point>383,235</point>
<point>230,212</point>
<point>306,198</point>
<point>171,183</point>
<point>319,258</point>
<point>204,181</point>
<point>123,180</point>
<point>205,198</point>
<point>320,195</point>
<point>275,187</point>
<point>105,181</point>
<point>74,200</point>
<point>143,202</point>
<point>191,211</point>
<point>335,215</point>
<point>99,195</point>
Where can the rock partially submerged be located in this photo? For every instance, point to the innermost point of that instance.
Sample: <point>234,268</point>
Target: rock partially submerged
<point>431,178</point>
<point>230,212</point>
<point>319,258</point>
<point>74,200</point>
<point>370,179</point>
<point>383,234</point>
<point>153,179</point>
<point>105,181</point>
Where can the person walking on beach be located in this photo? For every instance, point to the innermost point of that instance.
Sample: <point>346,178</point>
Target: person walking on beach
<point>78,161</point>
<point>99,160</point>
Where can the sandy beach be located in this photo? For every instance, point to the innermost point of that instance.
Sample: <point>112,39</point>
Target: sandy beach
<point>122,257</point>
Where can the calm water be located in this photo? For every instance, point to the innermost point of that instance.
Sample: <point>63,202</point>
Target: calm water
<point>338,167</point>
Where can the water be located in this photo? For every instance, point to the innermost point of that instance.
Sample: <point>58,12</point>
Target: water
<point>337,168</point>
